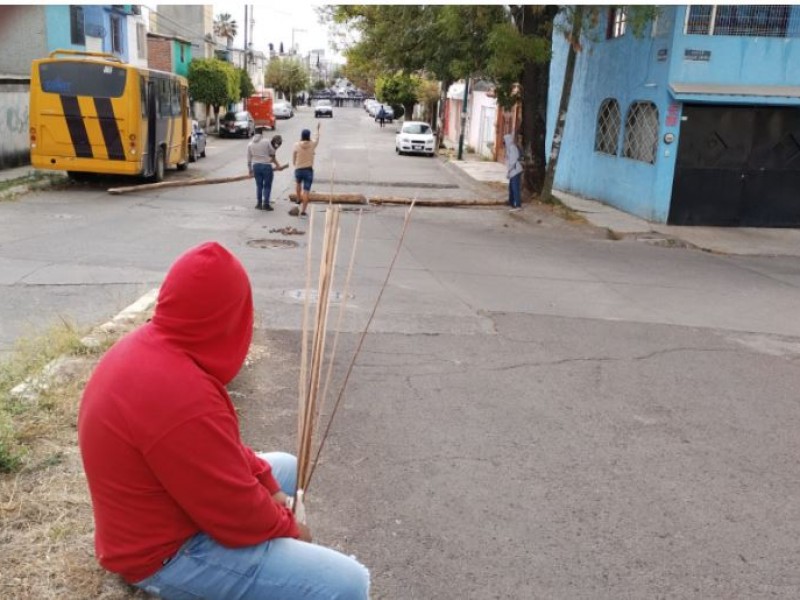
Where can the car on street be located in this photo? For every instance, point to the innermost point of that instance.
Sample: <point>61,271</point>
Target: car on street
<point>323,108</point>
<point>197,142</point>
<point>238,124</point>
<point>415,137</point>
<point>283,109</point>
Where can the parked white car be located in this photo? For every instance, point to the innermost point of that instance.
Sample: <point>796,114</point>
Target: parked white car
<point>415,137</point>
<point>282,109</point>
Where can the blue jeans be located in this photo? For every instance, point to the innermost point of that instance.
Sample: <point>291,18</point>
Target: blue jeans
<point>264,175</point>
<point>515,190</point>
<point>278,569</point>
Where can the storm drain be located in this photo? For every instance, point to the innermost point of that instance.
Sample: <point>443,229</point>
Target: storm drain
<point>355,209</point>
<point>268,244</point>
<point>312,295</point>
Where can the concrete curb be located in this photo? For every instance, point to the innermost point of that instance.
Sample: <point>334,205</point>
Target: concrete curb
<point>58,370</point>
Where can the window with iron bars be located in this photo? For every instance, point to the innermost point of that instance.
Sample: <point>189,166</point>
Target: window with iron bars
<point>641,132</point>
<point>617,22</point>
<point>76,30</point>
<point>609,123</point>
<point>768,20</point>
<point>116,35</point>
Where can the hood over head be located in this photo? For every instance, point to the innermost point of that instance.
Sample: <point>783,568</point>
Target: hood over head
<point>205,307</point>
<point>305,135</point>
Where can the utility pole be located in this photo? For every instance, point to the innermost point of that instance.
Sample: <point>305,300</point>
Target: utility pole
<point>245,36</point>
<point>463,119</point>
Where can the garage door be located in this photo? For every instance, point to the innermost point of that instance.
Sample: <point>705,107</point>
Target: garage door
<point>737,166</point>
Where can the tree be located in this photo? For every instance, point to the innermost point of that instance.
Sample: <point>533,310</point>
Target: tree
<point>287,76</point>
<point>246,87</point>
<point>213,82</point>
<point>398,89</point>
<point>226,27</point>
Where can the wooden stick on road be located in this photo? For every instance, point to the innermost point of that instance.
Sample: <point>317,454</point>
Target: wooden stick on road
<point>176,183</point>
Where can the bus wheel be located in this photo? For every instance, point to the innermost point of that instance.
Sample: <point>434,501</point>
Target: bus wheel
<point>182,166</point>
<point>160,166</point>
<point>192,153</point>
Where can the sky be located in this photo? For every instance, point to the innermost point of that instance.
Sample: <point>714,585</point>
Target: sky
<point>277,22</point>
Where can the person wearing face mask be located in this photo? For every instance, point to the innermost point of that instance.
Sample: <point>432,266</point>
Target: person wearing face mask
<point>262,162</point>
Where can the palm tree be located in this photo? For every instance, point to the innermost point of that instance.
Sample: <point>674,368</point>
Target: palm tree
<point>226,27</point>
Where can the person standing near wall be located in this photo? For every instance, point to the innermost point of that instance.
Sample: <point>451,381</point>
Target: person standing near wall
<point>303,161</point>
<point>513,172</point>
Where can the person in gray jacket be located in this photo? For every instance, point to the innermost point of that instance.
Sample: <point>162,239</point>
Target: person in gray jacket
<point>262,162</point>
<point>513,172</point>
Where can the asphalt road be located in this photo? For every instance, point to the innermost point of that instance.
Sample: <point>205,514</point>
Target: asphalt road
<point>537,411</point>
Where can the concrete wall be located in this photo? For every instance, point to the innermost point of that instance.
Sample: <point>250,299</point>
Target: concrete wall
<point>14,149</point>
<point>192,22</point>
<point>23,37</point>
<point>481,123</point>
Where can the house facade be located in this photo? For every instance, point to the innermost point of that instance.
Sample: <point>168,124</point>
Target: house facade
<point>169,53</point>
<point>693,122</point>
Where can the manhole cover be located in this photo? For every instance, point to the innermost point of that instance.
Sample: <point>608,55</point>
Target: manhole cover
<point>270,244</point>
<point>355,209</point>
<point>312,295</point>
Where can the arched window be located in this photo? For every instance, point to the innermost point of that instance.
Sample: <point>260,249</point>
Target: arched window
<point>641,132</point>
<point>609,122</point>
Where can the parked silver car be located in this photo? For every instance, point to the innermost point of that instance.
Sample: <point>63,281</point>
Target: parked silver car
<point>197,142</point>
<point>283,109</point>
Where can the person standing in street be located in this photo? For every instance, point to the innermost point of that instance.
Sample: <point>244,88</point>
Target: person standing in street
<point>382,115</point>
<point>262,162</point>
<point>182,507</point>
<point>513,172</point>
<point>303,161</point>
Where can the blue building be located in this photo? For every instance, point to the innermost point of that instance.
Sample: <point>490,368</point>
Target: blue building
<point>693,122</point>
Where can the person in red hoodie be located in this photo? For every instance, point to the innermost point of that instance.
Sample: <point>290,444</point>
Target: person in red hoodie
<point>182,507</point>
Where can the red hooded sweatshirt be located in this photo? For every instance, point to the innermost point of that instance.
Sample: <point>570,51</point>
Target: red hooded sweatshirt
<point>158,433</point>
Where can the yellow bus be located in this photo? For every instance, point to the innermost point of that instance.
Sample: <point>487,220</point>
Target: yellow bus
<point>92,113</point>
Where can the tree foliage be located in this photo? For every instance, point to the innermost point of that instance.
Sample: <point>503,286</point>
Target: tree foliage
<point>287,76</point>
<point>213,82</point>
<point>398,89</point>
<point>226,27</point>
<point>246,87</point>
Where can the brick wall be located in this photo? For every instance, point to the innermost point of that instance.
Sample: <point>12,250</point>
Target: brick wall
<point>159,54</point>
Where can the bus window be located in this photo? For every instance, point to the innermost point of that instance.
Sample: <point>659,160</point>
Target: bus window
<point>82,79</point>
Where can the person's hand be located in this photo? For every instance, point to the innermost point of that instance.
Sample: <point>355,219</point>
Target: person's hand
<point>305,533</point>
<point>281,498</point>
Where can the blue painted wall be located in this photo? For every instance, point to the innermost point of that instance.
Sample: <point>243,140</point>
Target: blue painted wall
<point>640,69</point>
<point>737,59</point>
<point>628,69</point>
<point>95,17</point>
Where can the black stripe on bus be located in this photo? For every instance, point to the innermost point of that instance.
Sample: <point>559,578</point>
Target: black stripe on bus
<point>77,129</point>
<point>108,125</point>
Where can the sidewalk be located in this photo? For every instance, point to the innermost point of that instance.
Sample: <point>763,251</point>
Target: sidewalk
<point>750,241</point>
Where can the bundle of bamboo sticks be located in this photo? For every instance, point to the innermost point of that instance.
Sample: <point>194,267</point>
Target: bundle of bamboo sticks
<point>310,400</point>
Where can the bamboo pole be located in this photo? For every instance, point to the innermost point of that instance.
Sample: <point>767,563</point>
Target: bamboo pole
<point>178,183</point>
<point>324,437</point>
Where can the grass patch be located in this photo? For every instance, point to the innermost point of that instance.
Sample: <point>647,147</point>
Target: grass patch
<point>10,189</point>
<point>46,526</point>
